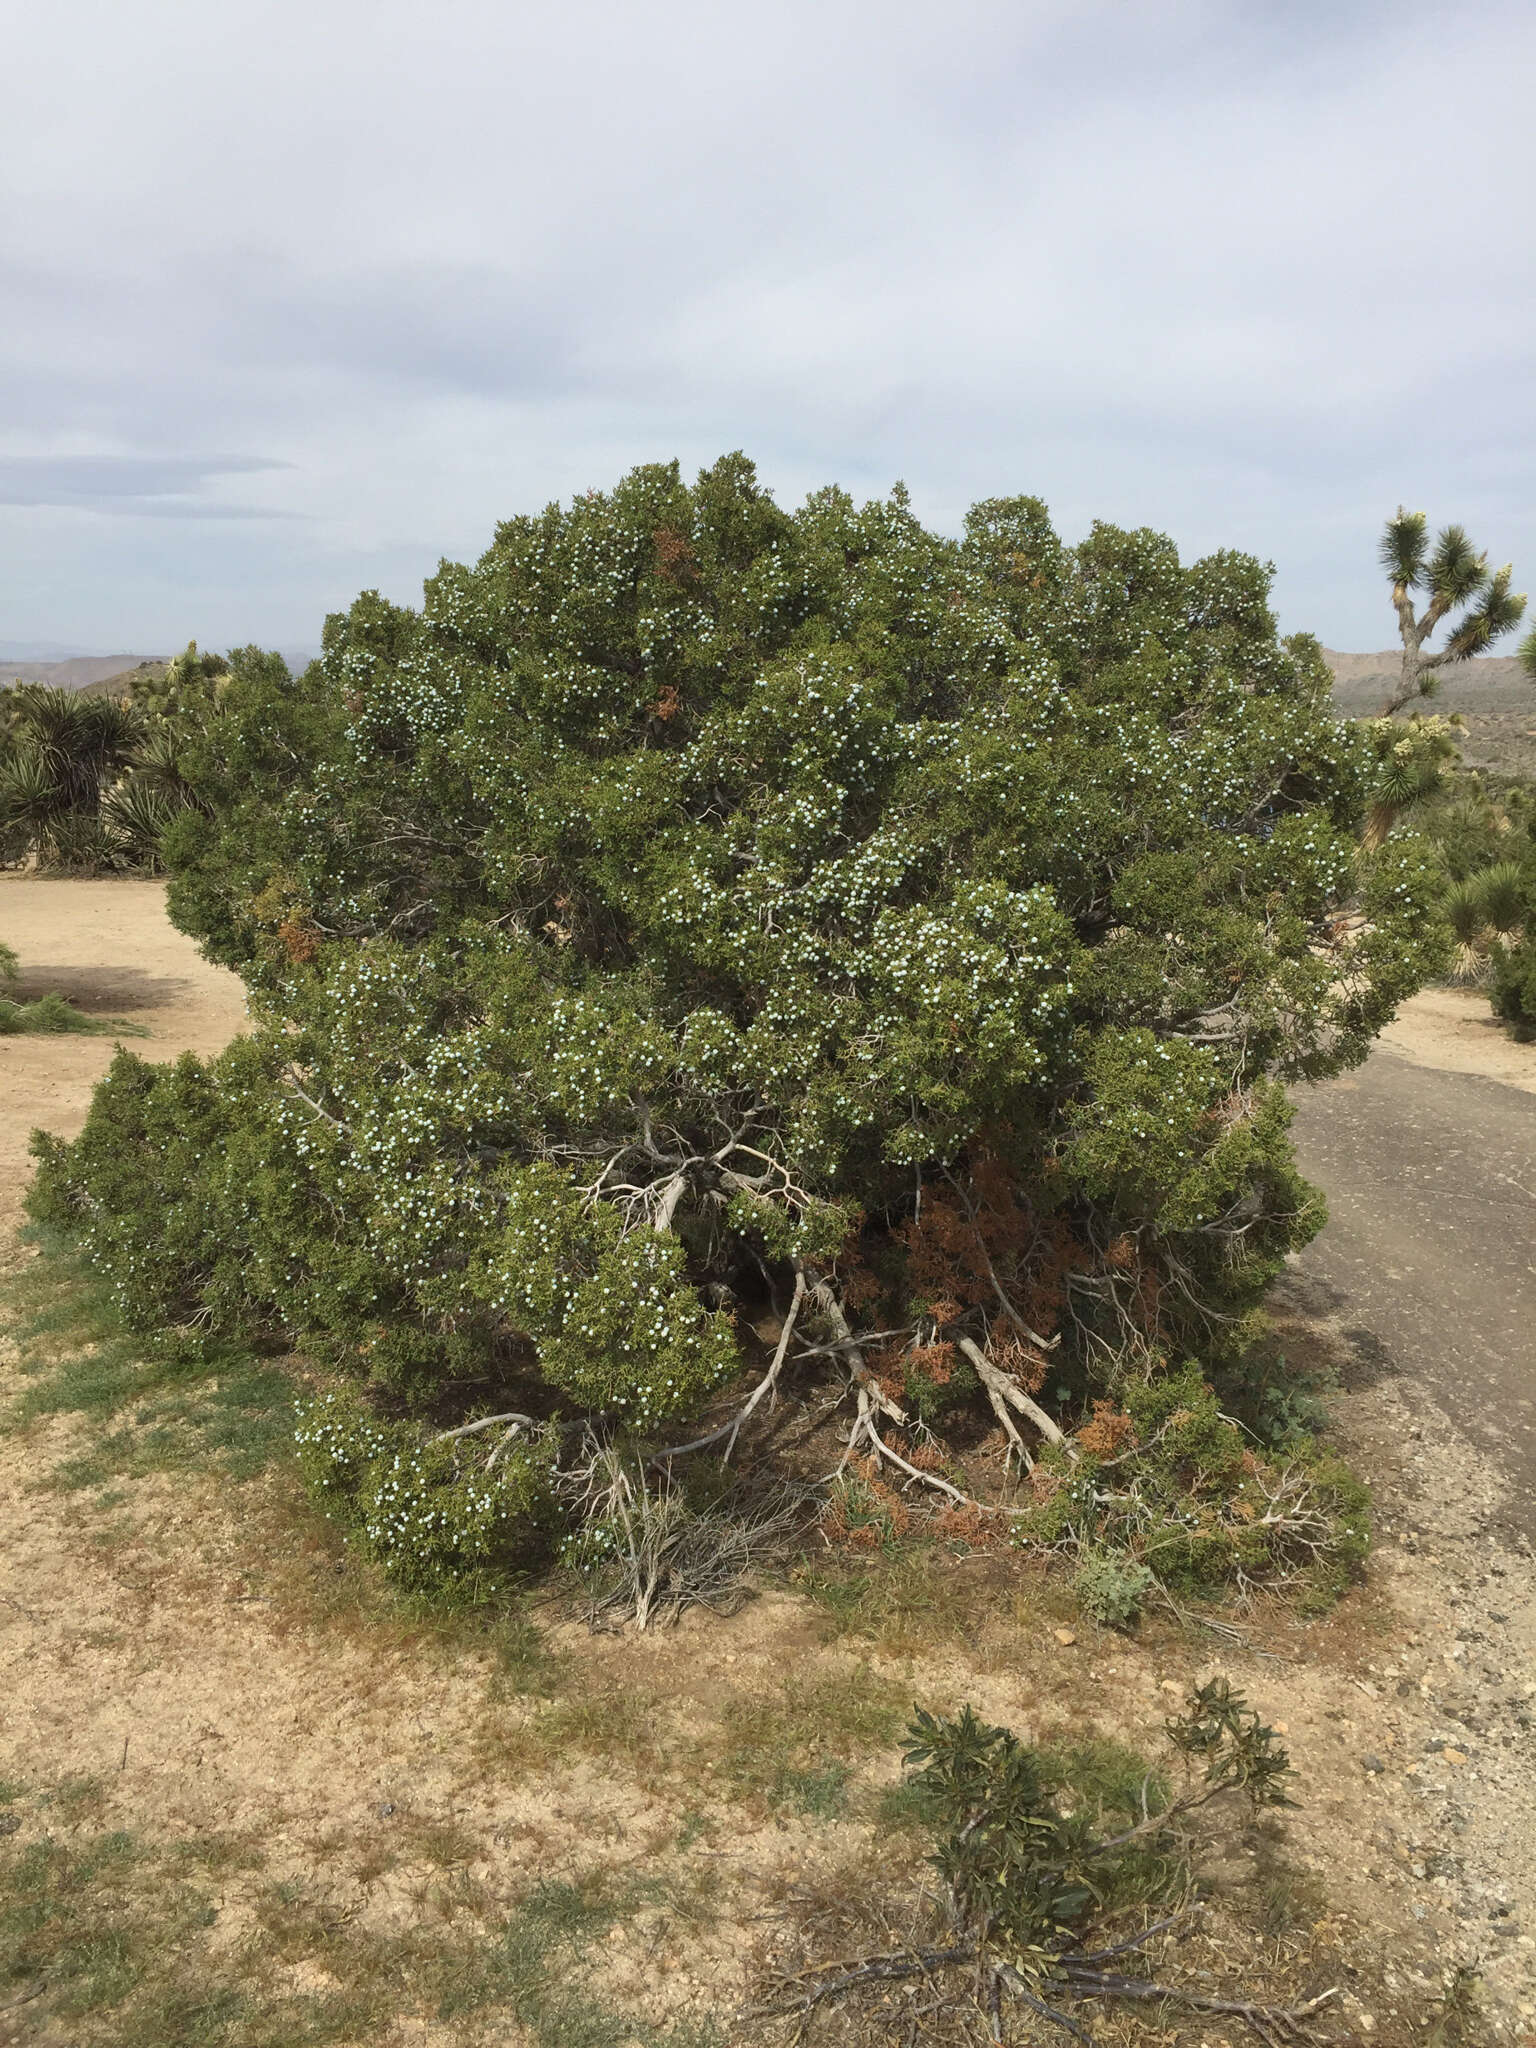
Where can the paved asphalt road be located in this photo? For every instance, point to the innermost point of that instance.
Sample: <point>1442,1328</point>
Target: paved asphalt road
<point>1429,1254</point>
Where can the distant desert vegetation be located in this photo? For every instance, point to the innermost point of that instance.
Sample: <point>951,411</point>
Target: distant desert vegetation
<point>1494,696</point>
<point>82,673</point>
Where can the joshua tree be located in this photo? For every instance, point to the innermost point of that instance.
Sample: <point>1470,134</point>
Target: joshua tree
<point>1454,574</point>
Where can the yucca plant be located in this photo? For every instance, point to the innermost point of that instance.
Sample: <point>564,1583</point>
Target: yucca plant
<point>136,814</point>
<point>1414,760</point>
<point>1455,574</point>
<point>62,750</point>
<point>83,742</point>
<point>29,795</point>
<point>155,762</point>
<point>86,782</point>
<point>1502,896</point>
<point>1463,908</point>
<point>78,843</point>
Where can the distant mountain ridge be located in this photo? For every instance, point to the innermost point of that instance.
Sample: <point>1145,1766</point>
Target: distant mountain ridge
<point>1494,695</point>
<point>76,673</point>
<point>82,671</point>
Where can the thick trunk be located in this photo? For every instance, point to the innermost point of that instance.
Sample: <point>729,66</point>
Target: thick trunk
<point>1413,631</point>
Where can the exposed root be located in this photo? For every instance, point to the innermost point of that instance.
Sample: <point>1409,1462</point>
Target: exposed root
<point>964,1977</point>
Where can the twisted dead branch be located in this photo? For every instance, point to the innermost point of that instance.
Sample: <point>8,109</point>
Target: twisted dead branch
<point>647,1553</point>
<point>966,1976</point>
<point>764,1390</point>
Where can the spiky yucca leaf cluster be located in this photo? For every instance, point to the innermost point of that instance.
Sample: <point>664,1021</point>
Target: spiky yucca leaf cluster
<point>86,783</point>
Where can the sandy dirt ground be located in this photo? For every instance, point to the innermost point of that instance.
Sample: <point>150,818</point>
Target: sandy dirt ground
<point>1454,1031</point>
<point>108,948</point>
<point>170,1645</point>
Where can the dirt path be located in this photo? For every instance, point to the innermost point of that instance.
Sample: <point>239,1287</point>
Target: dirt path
<point>1454,1031</point>
<point>107,947</point>
<point>200,1669</point>
<point>1429,1253</point>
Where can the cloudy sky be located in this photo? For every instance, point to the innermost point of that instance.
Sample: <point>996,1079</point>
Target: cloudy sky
<point>300,295</point>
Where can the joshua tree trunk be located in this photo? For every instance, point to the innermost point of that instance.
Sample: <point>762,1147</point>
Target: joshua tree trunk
<point>1416,663</point>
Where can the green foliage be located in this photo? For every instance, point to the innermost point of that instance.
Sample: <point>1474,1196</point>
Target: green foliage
<point>49,1012</point>
<point>1110,1589</point>
<point>154,1405</point>
<point>1238,1750</point>
<point>1502,897</point>
<point>1193,1498</point>
<point>86,783</point>
<point>1477,833</point>
<point>693,890</point>
<point>188,685</point>
<point>434,1521</point>
<point>1455,575</point>
<point>156,1186</point>
<point>1514,980</point>
<point>1026,1871</point>
<point>112,1939</point>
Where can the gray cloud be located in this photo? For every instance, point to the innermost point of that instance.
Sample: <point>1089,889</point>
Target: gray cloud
<point>428,267</point>
<point>138,486</point>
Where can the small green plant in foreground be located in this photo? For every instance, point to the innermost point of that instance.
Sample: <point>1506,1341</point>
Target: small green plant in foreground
<point>1111,1589</point>
<point>51,1012</point>
<point>1055,1872</point>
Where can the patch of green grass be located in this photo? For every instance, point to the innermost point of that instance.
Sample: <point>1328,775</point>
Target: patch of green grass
<point>77,1923</point>
<point>820,1793</point>
<point>522,1662</point>
<point>1286,1899</point>
<point>697,1826</point>
<point>108,1939</point>
<point>156,1406</point>
<point>52,1013</point>
<point>1458,2020</point>
<point>1107,1777</point>
<point>876,1596</point>
<point>534,1972</point>
<point>618,1722</point>
<point>74,1800</point>
<point>911,1595</point>
<point>902,1808</point>
<point>187,1402</point>
<point>791,1747</point>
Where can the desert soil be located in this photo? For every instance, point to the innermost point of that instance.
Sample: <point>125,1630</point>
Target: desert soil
<point>108,947</point>
<point>171,1645</point>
